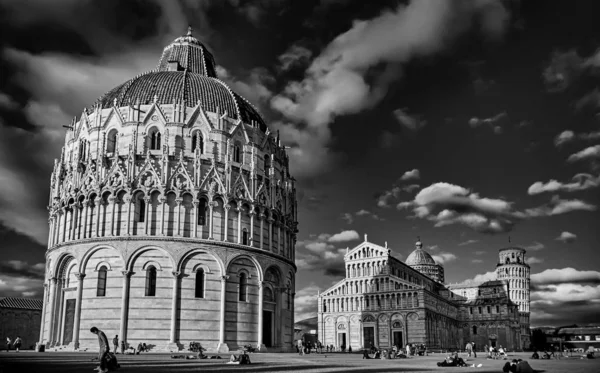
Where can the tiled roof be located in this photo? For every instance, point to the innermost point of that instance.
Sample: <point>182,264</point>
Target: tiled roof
<point>169,86</point>
<point>21,303</point>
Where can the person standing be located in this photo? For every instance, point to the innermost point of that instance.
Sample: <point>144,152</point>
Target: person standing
<point>8,342</point>
<point>104,348</point>
<point>17,343</point>
<point>116,344</point>
<point>474,346</point>
<point>123,347</point>
<point>469,349</point>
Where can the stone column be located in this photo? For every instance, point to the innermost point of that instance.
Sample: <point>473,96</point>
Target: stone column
<point>99,208</point>
<point>125,305</point>
<point>76,323</point>
<point>270,220</point>
<point>112,202</point>
<point>251,239</point>
<point>239,227</point>
<point>74,210</point>
<point>226,208</point>
<point>146,215</point>
<point>128,215</point>
<point>222,345</point>
<point>210,220</point>
<point>86,217</point>
<point>279,238</point>
<point>63,235</point>
<point>173,337</point>
<point>51,304</point>
<point>44,308</point>
<point>261,216</point>
<point>178,219</point>
<point>259,343</point>
<point>51,233</point>
<point>195,217</point>
<point>162,200</point>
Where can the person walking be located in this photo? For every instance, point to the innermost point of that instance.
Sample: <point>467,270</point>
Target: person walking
<point>8,342</point>
<point>116,344</point>
<point>469,349</point>
<point>104,348</point>
<point>17,343</point>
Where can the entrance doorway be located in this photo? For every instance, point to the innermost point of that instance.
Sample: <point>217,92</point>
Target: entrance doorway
<point>69,321</point>
<point>397,335</point>
<point>493,343</point>
<point>267,328</point>
<point>342,341</point>
<point>369,336</point>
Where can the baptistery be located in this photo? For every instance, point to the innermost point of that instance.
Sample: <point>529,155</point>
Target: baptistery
<point>173,217</point>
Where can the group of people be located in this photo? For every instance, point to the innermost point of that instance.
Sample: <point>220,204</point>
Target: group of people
<point>16,344</point>
<point>495,352</point>
<point>305,346</point>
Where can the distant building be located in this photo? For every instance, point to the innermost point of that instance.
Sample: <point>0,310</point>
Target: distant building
<point>573,337</point>
<point>20,317</point>
<point>383,301</point>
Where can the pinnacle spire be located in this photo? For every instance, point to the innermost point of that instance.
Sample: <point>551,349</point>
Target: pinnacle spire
<point>189,31</point>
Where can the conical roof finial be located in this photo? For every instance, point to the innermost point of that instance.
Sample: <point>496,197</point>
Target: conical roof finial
<point>189,32</point>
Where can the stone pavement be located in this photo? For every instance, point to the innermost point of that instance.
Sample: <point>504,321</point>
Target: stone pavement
<point>71,362</point>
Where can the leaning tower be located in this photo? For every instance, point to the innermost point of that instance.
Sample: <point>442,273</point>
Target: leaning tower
<point>513,269</point>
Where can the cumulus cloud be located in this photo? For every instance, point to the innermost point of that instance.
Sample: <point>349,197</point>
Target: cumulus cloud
<point>349,216</point>
<point>562,295</point>
<point>343,80</point>
<point>255,86</point>
<point>305,302</point>
<point>579,182</point>
<point>413,174</point>
<point>480,278</point>
<point>564,137</point>
<point>536,246</point>
<point>559,206</point>
<point>294,57</point>
<point>468,242</point>
<point>493,122</point>
<point>344,236</point>
<point>408,121</point>
<point>21,279</point>
<point>567,237</point>
<point>534,260</point>
<point>563,70</point>
<point>591,152</point>
<point>443,258</point>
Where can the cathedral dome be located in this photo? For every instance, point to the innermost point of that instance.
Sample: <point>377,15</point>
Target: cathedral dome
<point>419,257</point>
<point>185,72</point>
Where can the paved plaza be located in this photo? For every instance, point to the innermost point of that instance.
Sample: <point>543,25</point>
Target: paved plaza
<point>67,362</point>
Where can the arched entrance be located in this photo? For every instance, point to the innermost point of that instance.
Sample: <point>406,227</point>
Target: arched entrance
<point>269,308</point>
<point>397,334</point>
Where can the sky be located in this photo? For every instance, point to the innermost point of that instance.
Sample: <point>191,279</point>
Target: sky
<point>464,123</point>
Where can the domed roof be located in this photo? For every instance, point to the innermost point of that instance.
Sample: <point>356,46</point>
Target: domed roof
<point>185,72</point>
<point>419,256</point>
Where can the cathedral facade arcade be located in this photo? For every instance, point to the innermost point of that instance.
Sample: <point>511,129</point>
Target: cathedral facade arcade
<point>384,302</point>
<point>172,217</point>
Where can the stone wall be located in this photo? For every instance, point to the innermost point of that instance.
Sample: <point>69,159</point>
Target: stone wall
<point>18,322</point>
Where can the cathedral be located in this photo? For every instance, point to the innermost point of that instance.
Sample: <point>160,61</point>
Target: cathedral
<point>384,302</point>
<point>173,217</point>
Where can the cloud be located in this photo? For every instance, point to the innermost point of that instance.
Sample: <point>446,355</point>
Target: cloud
<point>564,137</point>
<point>254,86</point>
<point>559,296</point>
<point>563,70</point>
<point>536,246</point>
<point>411,122</point>
<point>443,258</point>
<point>587,153</point>
<point>295,56</point>
<point>353,72</point>
<point>349,217</point>
<point>534,260</point>
<point>559,206</point>
<point>477,261</point>
<point>445,204</point>
<point>493,122</point>
<point>480,278</point>
<point>305,302</point>
<point>567,237</point>
<point>21,279</point>
<point>480,252</point>
<point>344,236</point>
<point>579,182</point>
<point>468,242</point>
<point>413,174</point>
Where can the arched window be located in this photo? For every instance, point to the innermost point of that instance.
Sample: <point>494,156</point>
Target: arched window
<point>237,152</point>
<point>155,143</point>
<point>151,281</point>
<point>142,209</point>
<point>518,259</point>
<point>101,287</point>
<point>474,330</point>
<point>202,212</point>
<point>200,283</point>
<point>507,260</point>
<point>83,151</point>
<point>267,162</point>
<point>197,142</point>
<point>243,288</point>
<point>244,237</point>
<point>111,141</point>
